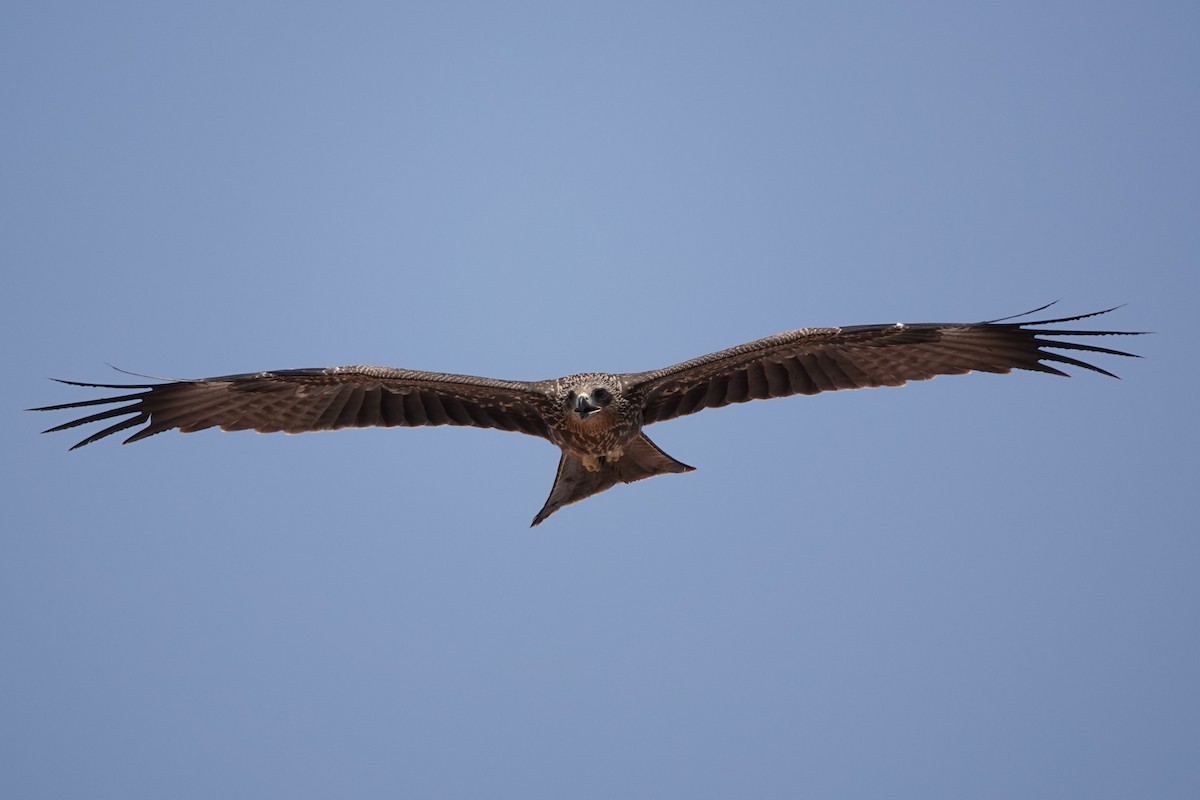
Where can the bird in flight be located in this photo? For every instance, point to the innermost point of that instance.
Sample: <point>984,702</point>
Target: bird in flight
<point>596,419</point>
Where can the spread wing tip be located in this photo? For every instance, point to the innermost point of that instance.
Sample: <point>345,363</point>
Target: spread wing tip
<point>1040,334</point>
<point>1074,318</point>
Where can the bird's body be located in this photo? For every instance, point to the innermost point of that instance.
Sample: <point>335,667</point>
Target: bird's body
<point>595,419</point>
<point>606,417</point>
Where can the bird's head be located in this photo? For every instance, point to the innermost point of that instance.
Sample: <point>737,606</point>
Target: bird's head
<point>588,397</point>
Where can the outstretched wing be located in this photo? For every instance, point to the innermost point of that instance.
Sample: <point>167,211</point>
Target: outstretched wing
<point>300,400</point>
<point>812,360</point>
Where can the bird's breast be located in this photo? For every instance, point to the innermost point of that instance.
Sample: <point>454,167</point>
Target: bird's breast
<point>598,435</point>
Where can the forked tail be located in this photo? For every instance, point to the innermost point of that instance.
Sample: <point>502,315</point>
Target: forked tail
<point>573,483</point>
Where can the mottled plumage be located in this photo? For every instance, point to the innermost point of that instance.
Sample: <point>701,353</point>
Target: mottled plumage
<point>596,419</point>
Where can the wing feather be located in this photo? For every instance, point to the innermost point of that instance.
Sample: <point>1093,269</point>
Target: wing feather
<point>813,360</point>
<point>302,400</point>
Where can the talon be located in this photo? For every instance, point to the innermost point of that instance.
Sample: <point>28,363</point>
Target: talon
<point>591,463</point>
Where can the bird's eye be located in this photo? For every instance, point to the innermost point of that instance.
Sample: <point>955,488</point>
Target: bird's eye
<point>600,394</point>
<point>571,397</point>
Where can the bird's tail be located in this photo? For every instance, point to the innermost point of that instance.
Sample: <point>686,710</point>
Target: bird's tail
<point>574,482</point>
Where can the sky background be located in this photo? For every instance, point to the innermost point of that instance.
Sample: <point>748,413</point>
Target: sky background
<point>981,586</point>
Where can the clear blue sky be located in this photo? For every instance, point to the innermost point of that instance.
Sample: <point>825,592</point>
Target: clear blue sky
<point>978,586</point>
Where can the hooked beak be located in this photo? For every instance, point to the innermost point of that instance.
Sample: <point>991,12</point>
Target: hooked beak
<point>584,406</point>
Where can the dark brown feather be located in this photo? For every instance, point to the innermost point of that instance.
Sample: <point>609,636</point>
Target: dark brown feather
<point>812,360</point>
<point>573,482</point>
<point>301,400</point>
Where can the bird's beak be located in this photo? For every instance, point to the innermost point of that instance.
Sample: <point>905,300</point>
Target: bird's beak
<point>584,406</point>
